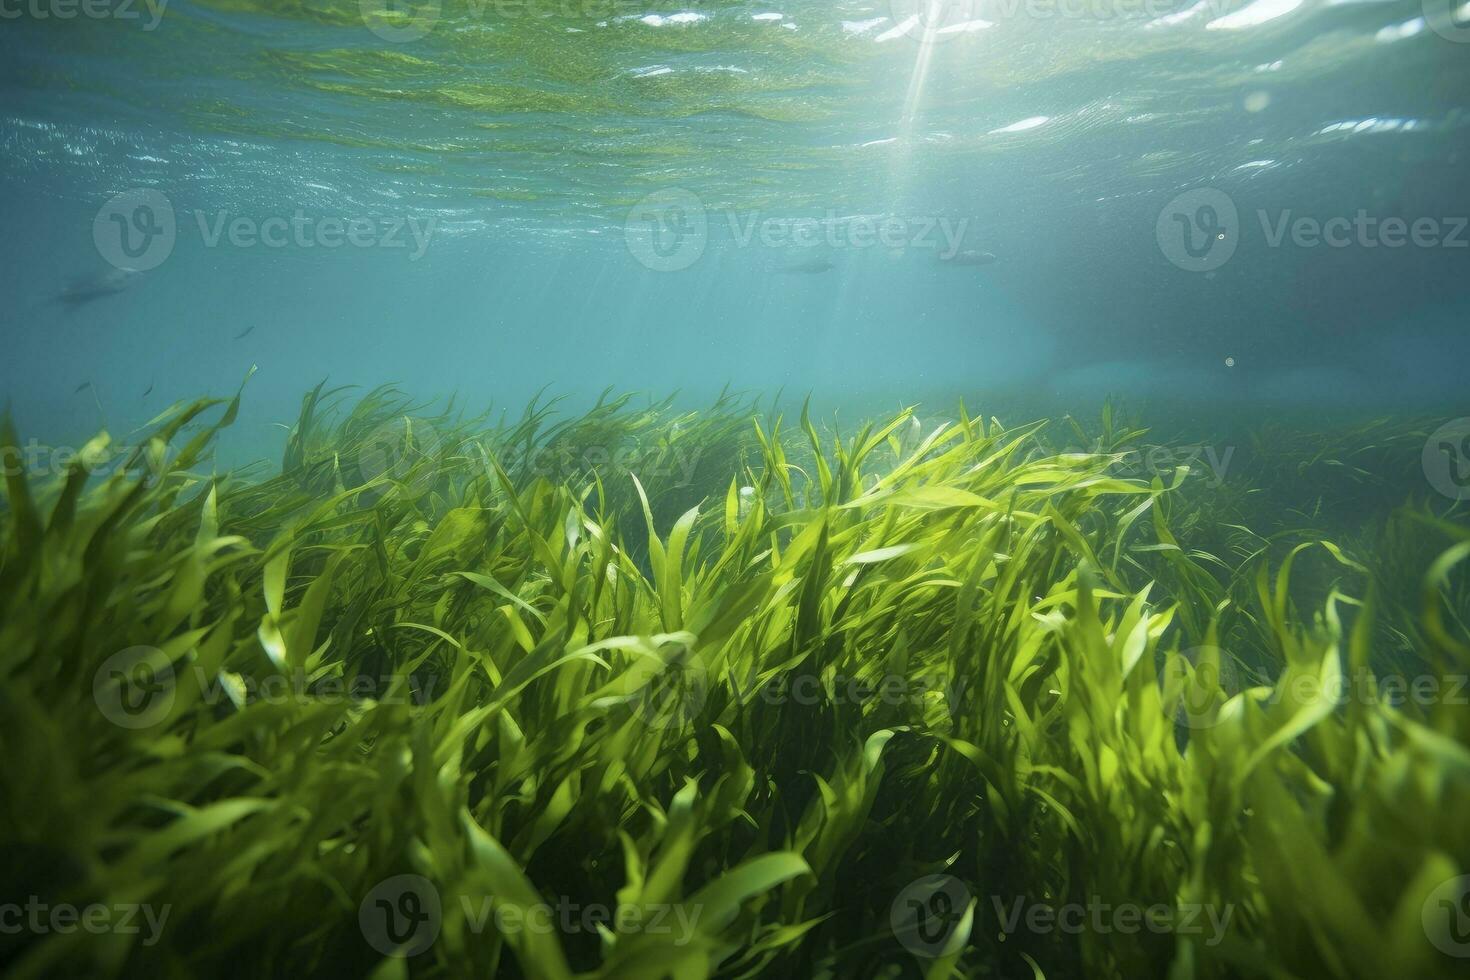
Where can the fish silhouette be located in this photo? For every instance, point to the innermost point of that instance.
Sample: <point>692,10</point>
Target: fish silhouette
<point>970,257</point>
<point>810,267</point>
<point>88,289</point>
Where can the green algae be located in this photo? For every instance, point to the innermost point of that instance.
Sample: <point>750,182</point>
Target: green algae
<point>562,635</point>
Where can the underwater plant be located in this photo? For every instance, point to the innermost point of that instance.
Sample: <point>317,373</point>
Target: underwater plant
<point>651,693</point>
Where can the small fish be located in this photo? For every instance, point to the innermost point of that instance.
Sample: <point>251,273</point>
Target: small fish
<point>81,387</point>
<point>970,256</point>
<point>86,290</point>
<point>810,267</point>
<point>245,332</point>
<point>148,392</point>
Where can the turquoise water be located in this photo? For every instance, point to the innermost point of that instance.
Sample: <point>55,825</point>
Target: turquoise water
<point>606,193</point>
<point>1119,567</point>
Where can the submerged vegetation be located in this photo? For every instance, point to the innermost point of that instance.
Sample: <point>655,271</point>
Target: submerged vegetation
<point>649,693</point>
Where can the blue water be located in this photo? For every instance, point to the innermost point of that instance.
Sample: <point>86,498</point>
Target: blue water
<point>521,139</point>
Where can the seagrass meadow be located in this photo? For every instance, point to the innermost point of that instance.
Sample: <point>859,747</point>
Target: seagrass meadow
<point>735,692</point>
<point>734,490</point>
